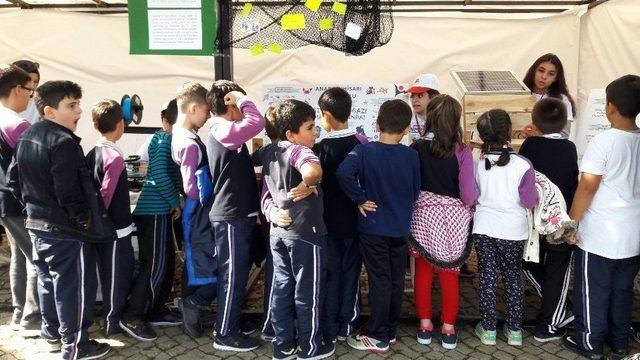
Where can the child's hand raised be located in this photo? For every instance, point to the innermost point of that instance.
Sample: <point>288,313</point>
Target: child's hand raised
<point>232,97</point>
<point>301,191</point>
<point>367,206</point>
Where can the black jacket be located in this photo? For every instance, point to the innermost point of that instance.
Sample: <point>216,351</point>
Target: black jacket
<point>56,186</point>
<point>9,204</point>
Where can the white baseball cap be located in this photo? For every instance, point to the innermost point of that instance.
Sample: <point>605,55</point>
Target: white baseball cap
<point>424,83</point>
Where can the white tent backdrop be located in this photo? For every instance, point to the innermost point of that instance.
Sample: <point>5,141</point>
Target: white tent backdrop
<point>595,46</point>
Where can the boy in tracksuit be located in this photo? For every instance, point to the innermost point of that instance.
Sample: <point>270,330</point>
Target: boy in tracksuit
<point>298,243</point>
<point>235,205</point>
<point>52,173</point>
<point>188,151</point>
<point>383,178</point>
<point>341,305</point>
<point>115,258</point>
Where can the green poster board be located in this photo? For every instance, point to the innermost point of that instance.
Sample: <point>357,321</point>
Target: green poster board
<point>172,27</point>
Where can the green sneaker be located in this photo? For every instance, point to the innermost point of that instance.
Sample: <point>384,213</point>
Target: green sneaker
<point>514,338</point>
<point>487,337</point>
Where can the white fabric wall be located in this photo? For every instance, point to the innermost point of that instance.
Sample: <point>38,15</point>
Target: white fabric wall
<point>93,51</point>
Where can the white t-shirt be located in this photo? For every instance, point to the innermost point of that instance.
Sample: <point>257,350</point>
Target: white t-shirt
<point>416,128</point>
<point>31,114</point>
<point>610,227</point>
<point>143,151</point>
<point>499,212</point>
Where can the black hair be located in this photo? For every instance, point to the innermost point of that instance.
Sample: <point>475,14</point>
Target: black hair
<point>170,113</point>
<point>559,87</point>
<point>443,120</point>
<point>337,102</point>
<point>28,66</point>
<point>290,115</point>
<point>549,115</point>
<point>52,93</point>
<point>394,116</point>
<point>215,96</point>
<point>269,127</point>
<point>624,93</point>
<point>106,115</point>
<point>494,127</point>
<point>10,77</point>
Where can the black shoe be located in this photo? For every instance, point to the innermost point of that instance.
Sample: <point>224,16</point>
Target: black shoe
<point>618,354</point>
<point>546,336</point>
<point>326,351</point>
<point>571,345</point>
<point>465,272</point>
<point>138,330</point>
<point>289,354</point>
<point>238,343</point>
<point>169,319</point>
<point>207,319</point>
<point>248,327</point>
<point>568,319</point>
<point>191,318</point>
<point>93,350</point>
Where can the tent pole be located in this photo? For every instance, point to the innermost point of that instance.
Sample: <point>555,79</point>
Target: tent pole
<point>223,60</point>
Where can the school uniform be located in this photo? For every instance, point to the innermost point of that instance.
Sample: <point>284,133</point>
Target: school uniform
<point>500,229</point>
<point>344,262</point>
<point>234,209</point>
<point>608,254</point>
<point>389,175</point>
<point>115,258</point>
<point>298,251</point>
<point>557,159</point>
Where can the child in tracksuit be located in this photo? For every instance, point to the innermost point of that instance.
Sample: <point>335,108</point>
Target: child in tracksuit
<point>607,206</point>
<point>189,152</point>
<point>298,243</point>
<point>555,157</point>
<point>383,178</point>
<point>342,305</point>
<point>157,206</point>
<point>235,205</point>
<point>115,258</point>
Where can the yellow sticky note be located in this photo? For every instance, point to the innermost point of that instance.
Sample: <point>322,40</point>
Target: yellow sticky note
<point>293,22</point>
<point>313,5</point>
<point>257,49</point>
<point>275,48</point>
<point>326,24</point>
<point>340,8</point>
<point>246,9</point>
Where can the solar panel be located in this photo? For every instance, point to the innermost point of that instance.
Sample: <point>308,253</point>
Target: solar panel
<point>486,82</point>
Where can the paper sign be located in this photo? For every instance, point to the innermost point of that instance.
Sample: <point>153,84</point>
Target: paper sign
<point>175,29</point>
<point>340,8</point>
<point>174,4</point>
<point>250,26</point>
<point>326,24</point>
<point>293,22</point>
<point>275,48</point>
<point>353,31</point>
<point>257,49</point>
<point>246,9</point>
<point>313,5</point>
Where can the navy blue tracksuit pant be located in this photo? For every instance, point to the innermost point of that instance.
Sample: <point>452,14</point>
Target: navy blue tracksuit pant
<point>342,302</point>
<point>603,300</point>
<point>299,272</point>
<point>66,287</point>
<point>233,242</point>
<point>269,275</point>
<point>115,267</point>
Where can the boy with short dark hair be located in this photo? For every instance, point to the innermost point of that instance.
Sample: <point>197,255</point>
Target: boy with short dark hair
<point>115,258</point>
<point>383,179</point>
<point>607,207</point>
<point>189,152</point>
<point>342,305</point>
<point>298,243</point>
<point>235,205</point>
<point>555,157</point>
<point>33,69</point>
<point>15,94</point>
<point>53,178</point>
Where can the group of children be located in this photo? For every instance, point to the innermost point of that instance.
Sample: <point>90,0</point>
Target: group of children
<point>331,205</point>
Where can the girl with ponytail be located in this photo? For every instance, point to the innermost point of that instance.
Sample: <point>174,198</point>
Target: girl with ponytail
<point>506,184</point>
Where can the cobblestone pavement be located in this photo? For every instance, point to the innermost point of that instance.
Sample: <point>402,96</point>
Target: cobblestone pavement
<point>173,344</point>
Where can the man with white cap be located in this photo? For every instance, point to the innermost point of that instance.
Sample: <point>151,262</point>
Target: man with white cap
<point>423,89</point>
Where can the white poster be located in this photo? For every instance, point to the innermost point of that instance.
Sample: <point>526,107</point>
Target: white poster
<point>175,29</point>
<point>366,100</point>
<point>593,121</point>
<point>179,4</point>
